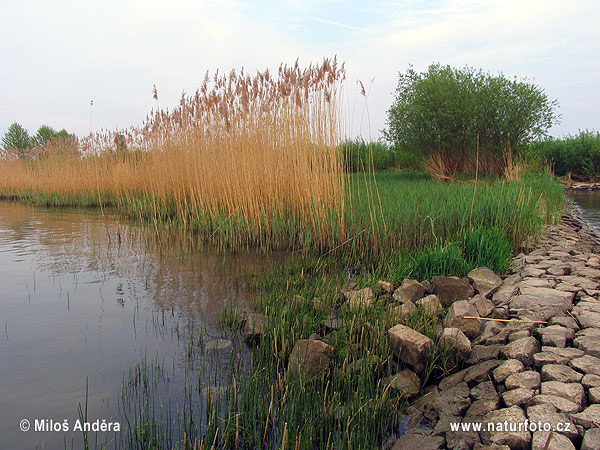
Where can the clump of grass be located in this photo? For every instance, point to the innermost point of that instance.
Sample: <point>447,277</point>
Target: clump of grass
<point>487,247</point>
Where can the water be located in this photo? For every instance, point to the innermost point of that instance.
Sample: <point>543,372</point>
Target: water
<point>86,296</point>
<point>589,203</point>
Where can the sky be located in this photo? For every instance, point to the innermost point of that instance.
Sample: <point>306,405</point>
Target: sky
<point>58,55</point>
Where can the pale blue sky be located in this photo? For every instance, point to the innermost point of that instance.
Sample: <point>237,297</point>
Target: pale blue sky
<point>58,55</point>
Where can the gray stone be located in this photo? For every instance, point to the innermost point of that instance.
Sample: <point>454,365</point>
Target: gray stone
<point>409,291</point>
<point>483,305</point>
<point>515,440</point>
<point>518,335</point>
<point>491,329</point>
<point>464,316</point>
<point>478,446</point>
<point>443,425</point>
<point>565,321</point>
<point>415,438</point>
<point>594,395</point>
<point>541,304</point>
<point>527,284</point>
<point>543,441</point>
<point>518,396</point>
<point>406,382</point>
<point>401,311</point>
<point>452,380</point>
<point>383,288</point>
<point>528,379</point>
<point>589,417</point>
<point>560,403</point>
<point>522,349</point>
<point>218,344</point>
<point>547,413</point>
<point>586,364</point>
<point>507,290</point>
<point>548,356</point>
<point>590,381</point>
<point>410,346</point>
<point>463,440</point>
<point>362,298</point>
<point>480,353</point>
<point>589,344</point>
<point>587,313</point>
<point>507,368</point>
<point>450,289</point>
<point>555,335</point>
<point>480,408</point>
<point>431,305</point>
<point>560,372</point>
<point>484,390</point>
<point>480,372</point>
<point>591,439</point>
<point>532,272</point>
<point>254,327</point>
<point>455,339</point>
<point>485,281</point>
<point>570,391</point>
<point>309,358</point>
<point>559,270</point>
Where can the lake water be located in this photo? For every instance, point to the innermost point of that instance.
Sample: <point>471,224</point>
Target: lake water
<point>589,204</point>
<point>84,298</point>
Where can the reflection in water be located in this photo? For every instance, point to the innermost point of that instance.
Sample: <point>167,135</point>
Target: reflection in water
<point>589,203</point>
<point>85,296</point>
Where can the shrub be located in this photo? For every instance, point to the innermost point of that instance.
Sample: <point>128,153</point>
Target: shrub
<point>445,115</point>
<point>486,247</point>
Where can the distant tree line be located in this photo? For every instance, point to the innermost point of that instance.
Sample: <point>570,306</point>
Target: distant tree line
<point>18,140</point>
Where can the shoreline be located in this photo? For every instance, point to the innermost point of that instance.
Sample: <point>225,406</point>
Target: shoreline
<point>521,371</point>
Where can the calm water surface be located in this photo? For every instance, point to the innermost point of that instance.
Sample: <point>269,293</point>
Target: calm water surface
<point>83,298</point>
<point>589,203</point>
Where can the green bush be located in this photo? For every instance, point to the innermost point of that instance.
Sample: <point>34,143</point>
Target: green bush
<point>439,260</point>
<point>361,156</point>
<point>578,155</point>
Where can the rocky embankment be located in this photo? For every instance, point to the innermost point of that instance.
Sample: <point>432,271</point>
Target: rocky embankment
<point>536,367</point>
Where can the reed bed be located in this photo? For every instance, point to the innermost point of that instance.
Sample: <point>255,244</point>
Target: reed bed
<point>251,159</point>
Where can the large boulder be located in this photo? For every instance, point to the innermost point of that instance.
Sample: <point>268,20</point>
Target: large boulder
<point>514,439</point>
<point>309,358</point>
<point>406,382</point>
<point>455,339</point>
<point>485,281</point>
<point>450,289</point>
<point>541,304</point>
<point>463,315</point>
<point>254,327</point>
<point>409,291</point>
<point>362,298</point>
<point>410,346</point>
<point>522,349</point>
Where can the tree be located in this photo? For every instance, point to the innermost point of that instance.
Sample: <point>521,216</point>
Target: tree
<point>17,138</point>
<point>44,134</point>
<point>448,115</point>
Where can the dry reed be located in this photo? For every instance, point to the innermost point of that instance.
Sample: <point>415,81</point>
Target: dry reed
<point>242,156</point>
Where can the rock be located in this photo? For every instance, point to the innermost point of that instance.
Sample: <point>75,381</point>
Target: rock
<point>491,329</point>
<point>527,284</point>
<point>480,353</point>
<point>443,425</point>
<point>594,395</point>
<point>542,358</point>
<point>401,311</point>
<point>507,290</point>
<point>218,344</point>
<point>559,269</point>
<point>455,339</point>
<point>591,439</point>
<point>541,304</point>
<point>543,441</point>
<point>589,344</point>
<point>532,272</point>
<point>362,298</point>
<point>522,349</point>
<point>383,289</point>
<point>507,368</point>
<point>409,291</point>
<point>480,372</point>
<point>481,407</point>
<point>431,305</point>
<point>485,281</point>
<point>349,286</point>
<point>514,439</point>
<point>454,401</point>
<point>450,289</point>
<point>406,382</point>
<point>254,327</point>
<point>565,321</point>
<point>560,372</point>
<point>462,440</point>
<point>570,391</point>
<point>484,390</point>
<point>483,305</point>
<point>560,403</point>
<point>372,363</point>
<point>410,346</point>
<point>529,380</point>
<point>478,446</point>
<point>415,438</point>
<point>555,335</point>
<point>464,316</point>
<point>589,417</point>
<point>310,358</point>
<point>590,381</point>
<point>547,413</point>
<point>586,364</point>
<point>518,335</point>
<point>587,313</point>
<point>518,396</point>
